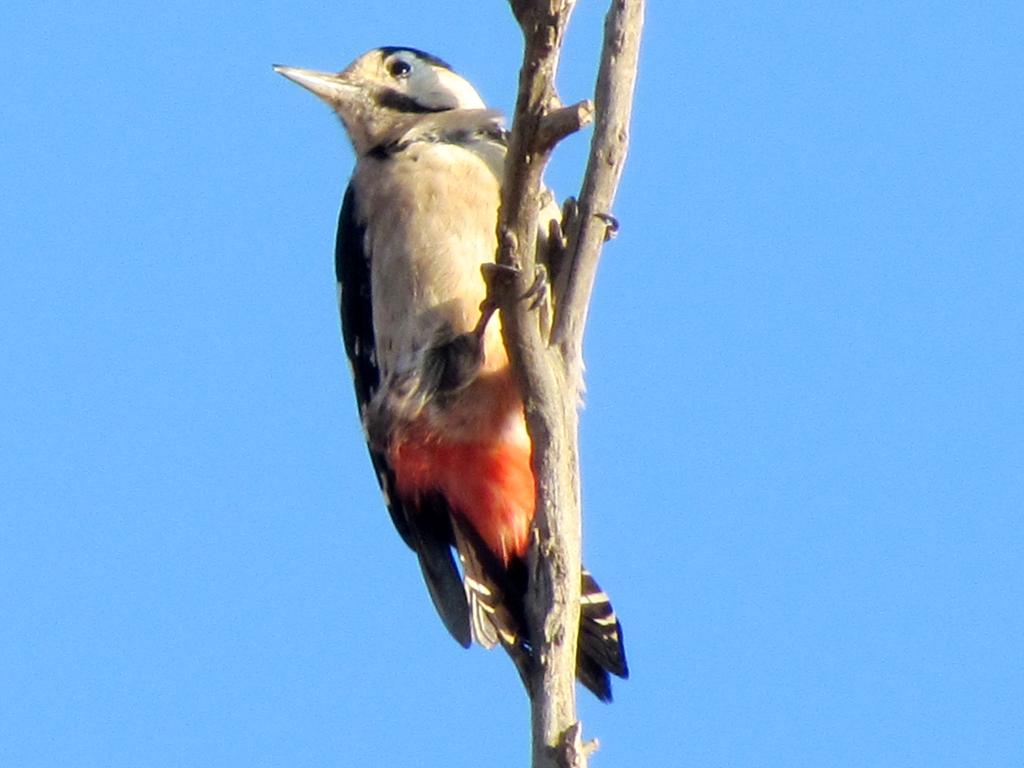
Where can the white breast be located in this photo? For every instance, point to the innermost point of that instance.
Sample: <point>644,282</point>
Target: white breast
<point>431,212</point>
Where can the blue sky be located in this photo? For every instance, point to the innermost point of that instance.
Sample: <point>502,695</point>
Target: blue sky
<point>803,447</point>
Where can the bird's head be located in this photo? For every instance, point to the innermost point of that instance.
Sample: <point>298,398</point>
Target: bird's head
<point>385,89</point>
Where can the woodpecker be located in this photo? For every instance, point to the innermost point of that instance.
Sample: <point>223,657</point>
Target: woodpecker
<point>442,412</point>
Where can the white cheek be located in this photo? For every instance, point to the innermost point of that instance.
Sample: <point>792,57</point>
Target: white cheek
<point>443,88</point>
<point>465,95</point>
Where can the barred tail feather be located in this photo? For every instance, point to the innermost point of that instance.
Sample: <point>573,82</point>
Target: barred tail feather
<point>600,649</point>
<point>496,596</point>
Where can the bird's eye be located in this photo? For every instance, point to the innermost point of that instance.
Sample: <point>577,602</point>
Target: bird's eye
<point>399,68</point>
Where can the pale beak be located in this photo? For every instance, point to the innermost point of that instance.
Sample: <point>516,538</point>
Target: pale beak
<point>332,87</point>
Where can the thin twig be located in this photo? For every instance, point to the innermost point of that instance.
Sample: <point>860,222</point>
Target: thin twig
<point>616,80</point>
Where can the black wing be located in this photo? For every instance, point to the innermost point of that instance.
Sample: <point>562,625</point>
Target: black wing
<point>426,528</point>
<point>352,269</point>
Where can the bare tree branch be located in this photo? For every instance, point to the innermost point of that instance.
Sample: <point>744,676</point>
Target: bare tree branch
<point>616,80</point>
<point>554,553</point>
<point>564,121</point>
<point>550,373</point>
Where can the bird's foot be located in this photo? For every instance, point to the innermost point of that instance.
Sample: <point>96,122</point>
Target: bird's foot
<point>537,293</point>
<point>501,281</point>
<point>611,225</point>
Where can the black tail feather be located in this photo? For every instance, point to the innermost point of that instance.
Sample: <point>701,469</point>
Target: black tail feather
<point>600,650</point>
